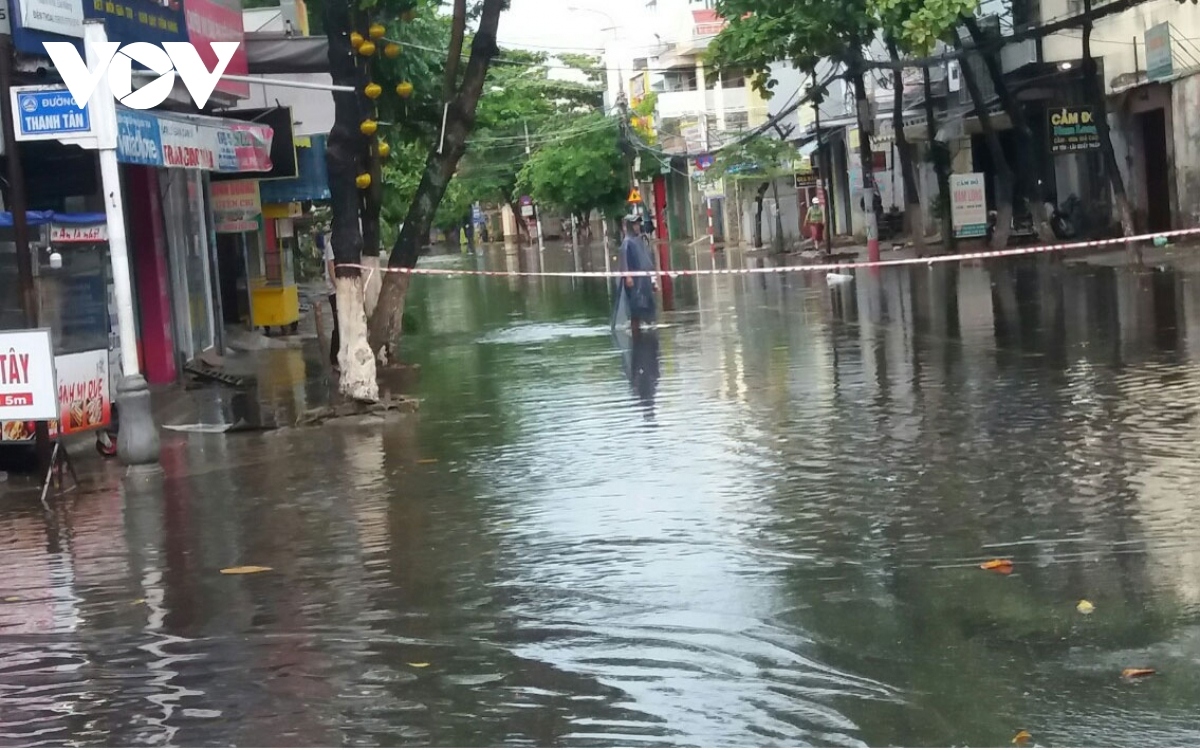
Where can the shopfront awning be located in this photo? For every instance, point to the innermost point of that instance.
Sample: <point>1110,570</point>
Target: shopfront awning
<point>181,141</point>
<point>273,53</point>
<point>37,218</point>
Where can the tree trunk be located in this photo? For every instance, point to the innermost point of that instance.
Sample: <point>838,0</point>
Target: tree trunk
<point>458,29</point>
<point>1027,172</point>
<point>439,168</point>
<point>912,197</point>
<point>758,212</point>
<point>1094,93</point>
<point>940,155</point>
<point>355,355</point>
<point>866,161</point>
<point>1004,176</point>
<point>778,217</point>
<point>372,197</point>
<point>345,148</point>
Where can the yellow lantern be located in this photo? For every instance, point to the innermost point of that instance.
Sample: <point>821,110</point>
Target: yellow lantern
<point>373,90</point>
<point>383,149</point>
<point>376,31</point>
<point>368,127</point>
<point>391,50</point>
<point>366,49</point>
<point>404,89</point>
<point>363,181</point>
<point>356,39</point>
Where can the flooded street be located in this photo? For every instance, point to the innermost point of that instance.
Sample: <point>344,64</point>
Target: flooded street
<point>760,525</point>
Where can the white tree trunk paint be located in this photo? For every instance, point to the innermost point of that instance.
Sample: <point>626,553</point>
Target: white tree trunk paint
<point>373,281</point>
<point>355,355</point>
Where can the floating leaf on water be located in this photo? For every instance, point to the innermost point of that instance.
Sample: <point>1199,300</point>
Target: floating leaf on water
<point>139,601</point>
<point>1133,673</point>
<point>11,599</point>
<point>1022,737</point>
<point>244,570</point>
<point>1085,607</point>
<point>427,460</point>
<point>418,664</point>
<point>1003,567</point>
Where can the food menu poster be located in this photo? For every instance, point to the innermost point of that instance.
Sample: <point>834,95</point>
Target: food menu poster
<point>83,400</point>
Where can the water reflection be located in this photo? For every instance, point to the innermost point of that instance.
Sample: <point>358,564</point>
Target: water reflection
<point>789,557</point>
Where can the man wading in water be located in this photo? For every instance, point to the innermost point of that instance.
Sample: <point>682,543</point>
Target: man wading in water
<point>635,293</point>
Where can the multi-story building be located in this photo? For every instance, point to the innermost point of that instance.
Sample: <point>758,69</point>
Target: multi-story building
<point>1148,58</point>
<point>697,110</point>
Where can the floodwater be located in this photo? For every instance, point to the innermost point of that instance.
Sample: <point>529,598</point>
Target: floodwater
<point>760,525</point>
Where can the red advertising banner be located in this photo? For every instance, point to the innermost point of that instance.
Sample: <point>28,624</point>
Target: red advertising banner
<point>219,21</point>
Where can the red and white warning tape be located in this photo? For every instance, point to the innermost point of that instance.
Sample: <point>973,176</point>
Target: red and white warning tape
<point>832,266</point>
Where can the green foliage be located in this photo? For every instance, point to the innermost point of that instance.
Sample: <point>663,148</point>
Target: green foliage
<point>580,171</point>
<point>918,25</point>
<point>590,65</point>
<point>757,158</point>
<point>762,32</point>
<point>519,97</point>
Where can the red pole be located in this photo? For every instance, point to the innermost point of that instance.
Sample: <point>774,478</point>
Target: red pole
<point>712,236</point>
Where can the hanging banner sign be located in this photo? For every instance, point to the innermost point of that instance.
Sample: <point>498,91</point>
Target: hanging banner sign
<point>968,205</point>
<point>1073,129</point>
<point>62,234</point>
<point>27,382</point>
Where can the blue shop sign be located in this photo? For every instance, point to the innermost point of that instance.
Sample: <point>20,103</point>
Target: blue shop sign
<point>46,114</point>
<point>139,20</point>
<point>139,138</point>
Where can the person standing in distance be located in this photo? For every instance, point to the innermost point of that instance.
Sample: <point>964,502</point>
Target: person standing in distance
<point>335,341</point>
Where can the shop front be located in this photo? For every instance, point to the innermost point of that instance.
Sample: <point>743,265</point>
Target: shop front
<point>176,244</point>
<point>258,282</point>
<point>74,298</point>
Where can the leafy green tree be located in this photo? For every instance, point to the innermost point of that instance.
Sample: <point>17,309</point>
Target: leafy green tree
<point>581,171</point>
<point>760,33</point>
<point>760,159</point>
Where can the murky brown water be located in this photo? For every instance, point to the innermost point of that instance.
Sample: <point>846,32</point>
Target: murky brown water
<point>762,526</point>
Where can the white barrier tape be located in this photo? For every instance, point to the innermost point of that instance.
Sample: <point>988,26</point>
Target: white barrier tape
<point>832,266</point>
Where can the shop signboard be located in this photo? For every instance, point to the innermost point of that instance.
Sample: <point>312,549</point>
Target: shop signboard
<point>84,398</point>
<point>219,21</point>
<point>5,22</point>
<point>236,206</point>
<point>27,384</point>
<point>1160,63</point>
<point>78,233</point>
<point>45,113</point>
<point>1073,129</point>
<point>127,21</point>
<point>56,16</point>
<point>182,143</point>
<point>968,205</point>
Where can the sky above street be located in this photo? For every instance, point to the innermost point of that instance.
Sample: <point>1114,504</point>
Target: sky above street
<point>570,25</point>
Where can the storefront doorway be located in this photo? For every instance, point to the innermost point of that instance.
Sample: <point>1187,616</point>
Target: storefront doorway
<point>1158,187</point>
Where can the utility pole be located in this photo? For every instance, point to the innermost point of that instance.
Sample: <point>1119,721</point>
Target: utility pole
<point>825,167</point>
<point>537,210</point>
<point>137,438</point>
<point>17,206</point>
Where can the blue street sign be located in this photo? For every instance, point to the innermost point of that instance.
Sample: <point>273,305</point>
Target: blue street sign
<point>49,113</point>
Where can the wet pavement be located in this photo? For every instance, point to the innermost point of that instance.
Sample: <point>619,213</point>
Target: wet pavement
<point>761,525</point>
